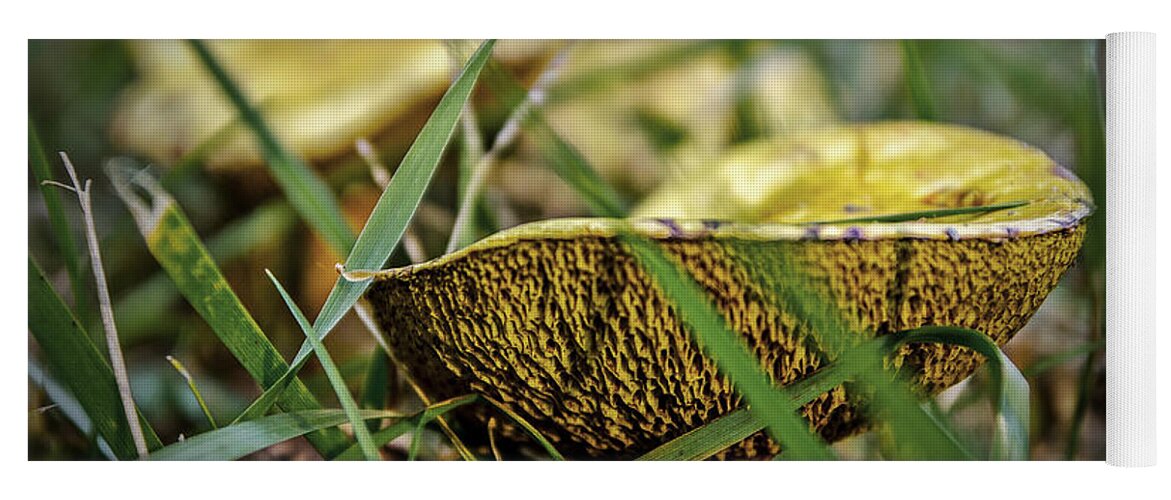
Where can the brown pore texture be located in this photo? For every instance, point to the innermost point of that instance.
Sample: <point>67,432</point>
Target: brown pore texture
<point>575,337</point>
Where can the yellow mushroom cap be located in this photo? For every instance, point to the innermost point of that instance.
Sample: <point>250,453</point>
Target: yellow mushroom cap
<point>880,169</point>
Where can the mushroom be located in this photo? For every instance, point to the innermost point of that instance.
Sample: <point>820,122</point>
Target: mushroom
<point>557,321</point>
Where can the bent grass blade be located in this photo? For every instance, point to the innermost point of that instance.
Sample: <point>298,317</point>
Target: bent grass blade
<point>411,423</point>
<point>239,440</point>
<point>177,248</point>
<point>369,451</point>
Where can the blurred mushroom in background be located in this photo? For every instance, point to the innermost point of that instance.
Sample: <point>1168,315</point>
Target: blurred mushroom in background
<point>643,110</point>
<point>318,96</point>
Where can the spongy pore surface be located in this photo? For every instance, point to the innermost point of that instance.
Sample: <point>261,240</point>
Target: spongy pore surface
<point>560,323</point>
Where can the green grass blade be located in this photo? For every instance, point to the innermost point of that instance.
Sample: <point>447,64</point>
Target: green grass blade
<point>1010,388</point>
<point>409,424</point>
<point>482,221</point>
<point>772,405</point>
<point>575,170</point>
<point>177,248</point>
<point>617,74</point>
<point>916,433</point>
<point>528,428</point>
<point>241,439</point>
<point>1089,126</point>
<point>915,77</point>
<point>74,358</point>
<point>717,435</point>
<point>376,386</point>
<point>1052,361</point>
<point>470,150</point>
<point>369,451</point>
<point>302,187</point>
<point>67,404</point>
<point>416,440</point>
<point>706,441</point>
<point>926,214</point>
<point>194,390</point>
<point>402,196</point>
<point>393,212</point>
<point>140,312</point>
<point>58,223</point>
<point>196,157</point>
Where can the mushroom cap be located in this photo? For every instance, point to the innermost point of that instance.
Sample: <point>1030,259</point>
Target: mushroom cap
<point>559,322</point>
<point>318,96</point>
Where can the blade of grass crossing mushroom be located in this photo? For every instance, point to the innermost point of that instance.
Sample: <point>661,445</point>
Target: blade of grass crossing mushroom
<point>174,244</point>
<point>717,435</point>
<point>528,428</point>
<point>244,438</point>
<point>706,441</point>
<point>369,451</point>
<point>772,405</point>
<point>80,366</point>
<point>1011,401</point>
<point>302,187</point>
<point>1009,387</point>
<point>402,196</point>
<point>393,212</point>
<point>914,430</point>
<point>406,425</point>
<point>926,214</point>
<point>367,317</point>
